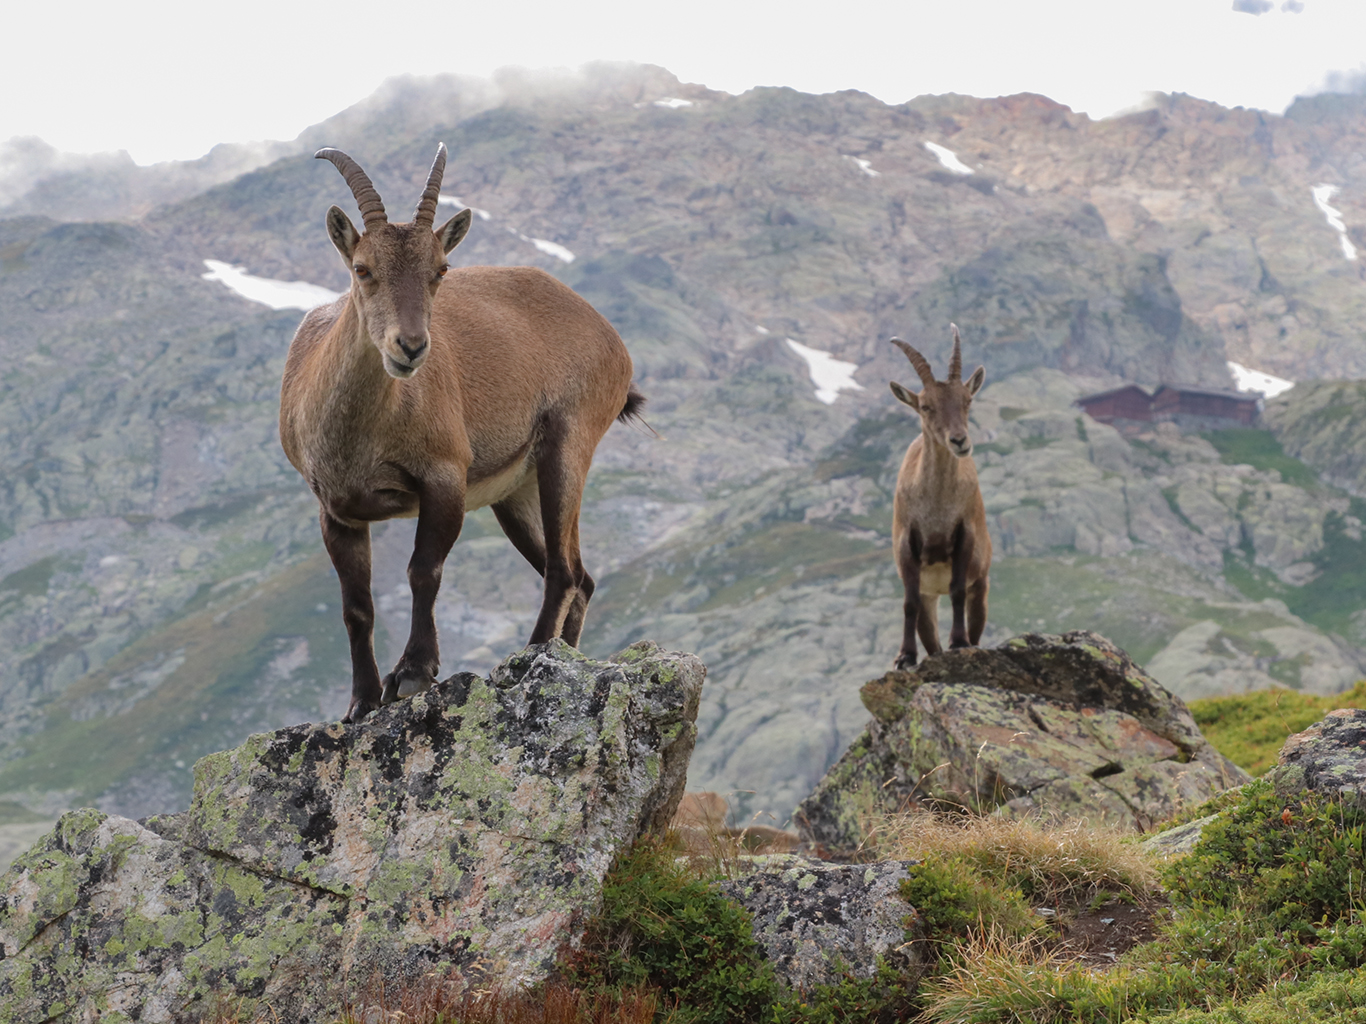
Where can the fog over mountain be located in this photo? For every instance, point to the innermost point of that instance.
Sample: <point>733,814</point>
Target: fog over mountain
<point>163,591</point>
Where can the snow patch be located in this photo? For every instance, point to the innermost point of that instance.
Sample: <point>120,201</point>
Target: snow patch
<point>549,248</point>
<point>1321,194</point>
<point>866,166</point>
<point>266,290</point>
<point>460,204</point>
<point>948,158</point>
<point>1245,379</point>
<point>830,375</point>
<point>761,330</point>
<point>673,103</point>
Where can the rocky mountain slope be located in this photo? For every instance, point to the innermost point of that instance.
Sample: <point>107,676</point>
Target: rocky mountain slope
<point>162,586</point>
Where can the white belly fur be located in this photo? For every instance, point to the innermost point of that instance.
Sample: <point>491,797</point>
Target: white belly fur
<point>935,579</point>
<point>497,487</point>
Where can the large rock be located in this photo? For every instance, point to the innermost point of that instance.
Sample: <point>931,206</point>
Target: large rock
<point>1328,758</point>
<point>1066,726</point>
<point>818,922</point>
<point>465,831</point>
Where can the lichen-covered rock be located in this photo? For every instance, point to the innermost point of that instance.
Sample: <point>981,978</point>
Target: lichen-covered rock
<point>1067,726</point>
<point>1328,758</point>
<point>1178,840</point>
<point>818,922</point>
<point>465,830</point>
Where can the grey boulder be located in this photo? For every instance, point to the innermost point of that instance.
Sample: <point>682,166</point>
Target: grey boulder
<point>1327,758</point>
<point>461,833</point>
<point>818,923</point>
<point>1064,726</point>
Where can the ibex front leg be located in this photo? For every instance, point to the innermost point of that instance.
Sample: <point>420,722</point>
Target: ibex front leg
<point>440,517</point>
<point>349,548</point>
<point>908,561</point>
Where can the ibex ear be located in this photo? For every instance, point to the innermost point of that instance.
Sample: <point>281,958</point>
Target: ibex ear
<point>909,397</point>
<point>342,232</point>
<point>974,384</point>
<point>450,233</point>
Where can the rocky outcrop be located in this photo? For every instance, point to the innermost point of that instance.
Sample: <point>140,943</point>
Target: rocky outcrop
<point>1323,422</point>
<point>1066,726</point>
<point>818,923</point>
<point>1327,758</point>
<point>464,832</point>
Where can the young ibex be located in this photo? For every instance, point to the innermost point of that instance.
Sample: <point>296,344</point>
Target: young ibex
<point>939,524</point>
<point>428,393</point>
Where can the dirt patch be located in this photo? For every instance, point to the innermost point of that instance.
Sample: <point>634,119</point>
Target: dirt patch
<point>1100,935</point>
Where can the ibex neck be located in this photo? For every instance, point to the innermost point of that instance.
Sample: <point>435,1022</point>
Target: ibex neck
<point>939,463</point>
<point>359,389</point>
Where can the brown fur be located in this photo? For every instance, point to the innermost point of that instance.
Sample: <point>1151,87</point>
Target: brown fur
<point>429,393</point>
<point>939,524</point>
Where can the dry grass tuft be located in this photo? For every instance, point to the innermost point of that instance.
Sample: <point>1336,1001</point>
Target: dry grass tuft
<point>995,977</point>
<point>1068,862</point>
<point>554,1003</point>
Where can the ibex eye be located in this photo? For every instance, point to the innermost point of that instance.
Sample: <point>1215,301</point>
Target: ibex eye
<point>442,271</point>
<point>361,272</point>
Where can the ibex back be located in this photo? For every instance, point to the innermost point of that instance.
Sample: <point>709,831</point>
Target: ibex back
<point>430,392</point>
<point>939,524</point>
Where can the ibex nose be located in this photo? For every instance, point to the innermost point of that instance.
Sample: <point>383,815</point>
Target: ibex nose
<point>414,349</point>
<point>960,441</point>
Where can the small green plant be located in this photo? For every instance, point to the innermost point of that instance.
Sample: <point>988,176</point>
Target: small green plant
<point>953,899</point>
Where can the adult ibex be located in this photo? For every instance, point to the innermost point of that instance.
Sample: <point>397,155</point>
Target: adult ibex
<point>939,524</point>
<point>428,393</point>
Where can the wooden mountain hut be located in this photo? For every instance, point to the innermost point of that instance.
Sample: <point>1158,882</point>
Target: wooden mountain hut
<point>1176,402</point>
<point>1130,402</point>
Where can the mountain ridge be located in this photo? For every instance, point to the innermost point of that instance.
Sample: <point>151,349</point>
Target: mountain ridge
<point>153,509</point>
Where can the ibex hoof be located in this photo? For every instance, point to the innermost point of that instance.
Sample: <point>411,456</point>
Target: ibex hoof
<point>904,663</point>
<point>358,710</point>
<point>405,681</point>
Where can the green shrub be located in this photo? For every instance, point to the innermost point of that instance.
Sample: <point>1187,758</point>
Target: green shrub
<point>664,928</point>
<point>1298,863</point>
<point>953,897</point>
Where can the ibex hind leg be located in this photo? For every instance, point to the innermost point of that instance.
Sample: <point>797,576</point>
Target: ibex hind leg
<point>927,625</point>
<point>977,609</point>
<point>561,466</point>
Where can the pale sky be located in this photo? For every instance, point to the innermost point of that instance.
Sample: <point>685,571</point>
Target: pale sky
<point>168,79</point>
